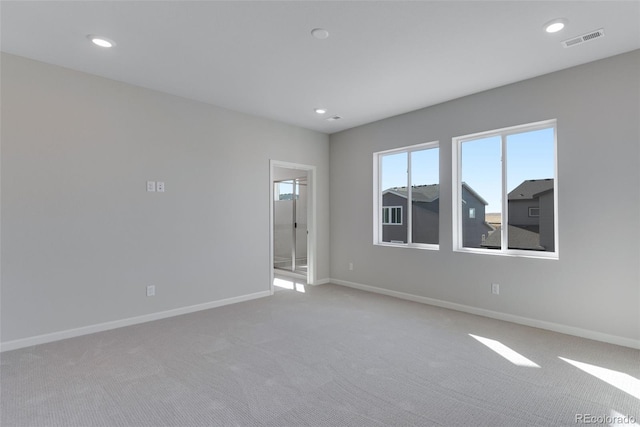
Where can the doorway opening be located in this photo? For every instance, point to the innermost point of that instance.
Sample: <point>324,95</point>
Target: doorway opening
<point>290,225</point>
<point>292,221</point>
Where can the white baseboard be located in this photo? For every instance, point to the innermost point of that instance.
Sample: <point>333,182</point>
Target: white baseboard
<point>85,330</point>
<point>556,327</point>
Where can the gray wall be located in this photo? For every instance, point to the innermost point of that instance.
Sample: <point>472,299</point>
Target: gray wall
<point>81,238</point>
<point>425,222</point>
<point>595,285</point>
<point>519,212</point>
<point>547,223</point>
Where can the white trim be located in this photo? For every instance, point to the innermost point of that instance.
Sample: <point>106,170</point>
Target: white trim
<point>409,199</point>
<point>456,194</point>
<point>504,217</point>
<point>311,217</point>
<point>522,253</point>
<point>509,130</point>
<point>377,199</point>
<point>402,245</point>
<point>106,326</point>
<point>409,148</point>
<point>322,282</point>
<point>556,191</point>
<point>541,324</point>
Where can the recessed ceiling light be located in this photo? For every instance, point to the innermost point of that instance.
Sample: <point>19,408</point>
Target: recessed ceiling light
<point>320,110</point>
<point>101,41</point>
<point>555,25</point>
<point>320,33</point>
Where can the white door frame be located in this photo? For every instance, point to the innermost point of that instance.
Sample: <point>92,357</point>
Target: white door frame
<point>311,217</point>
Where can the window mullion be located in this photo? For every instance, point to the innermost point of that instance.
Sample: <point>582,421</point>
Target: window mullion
<point>379,196</point>
<point>409,199</point>
<point>504,199</point>
<point>458,200</point>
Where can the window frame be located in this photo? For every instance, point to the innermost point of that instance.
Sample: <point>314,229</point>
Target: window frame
<point>377,196</point>
<point>457,210</point>
<point>390,215</point>
<point>531,215</point>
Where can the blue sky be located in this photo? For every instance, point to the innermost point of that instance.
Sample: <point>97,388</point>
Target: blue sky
<point>425,168</point>
<point>530,155</point>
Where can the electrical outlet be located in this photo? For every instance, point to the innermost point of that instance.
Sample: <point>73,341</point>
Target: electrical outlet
<point>351,266</point>
<point>495,289</point>
<point>151,186</point>
<point>151,290</point>
<point>160,187</point>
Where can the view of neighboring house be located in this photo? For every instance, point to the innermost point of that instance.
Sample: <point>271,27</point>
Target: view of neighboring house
<point>425,215</point>
<point>530,219</point>
<point>474,225</point>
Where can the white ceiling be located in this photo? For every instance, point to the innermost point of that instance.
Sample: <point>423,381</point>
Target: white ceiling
<point>381,58</point>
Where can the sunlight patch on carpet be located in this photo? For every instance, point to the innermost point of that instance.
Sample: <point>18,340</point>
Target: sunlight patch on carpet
<point>506,352</point>
<point>620,380</point>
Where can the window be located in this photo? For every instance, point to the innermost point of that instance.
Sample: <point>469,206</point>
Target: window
<point>284,190</point>
<point>392,215</point>
<point>402,175</point>
<point>508,179</point>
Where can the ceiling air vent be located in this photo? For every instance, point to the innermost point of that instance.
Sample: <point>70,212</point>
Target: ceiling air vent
<point>598,34</point>
<point>333,118</point>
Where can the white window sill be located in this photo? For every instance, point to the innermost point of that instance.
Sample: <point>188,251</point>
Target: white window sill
<point>409,246</point>
<point>512,253</point>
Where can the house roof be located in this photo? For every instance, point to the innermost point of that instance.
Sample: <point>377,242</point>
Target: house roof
<point>472,191</point>
<point>530,189</point>
<point>420,193</point>
<point>428,193</point>
<point>519,238</point>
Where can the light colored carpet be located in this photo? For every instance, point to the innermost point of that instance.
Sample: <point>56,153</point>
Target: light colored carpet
<point>329,356</point>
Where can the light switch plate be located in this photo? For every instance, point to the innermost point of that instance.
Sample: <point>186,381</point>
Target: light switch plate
<point>160,186</point>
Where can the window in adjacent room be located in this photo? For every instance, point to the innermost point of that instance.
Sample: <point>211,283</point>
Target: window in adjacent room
<point>284,190</point>
<point>402,175</point>
<point>508,179</point>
